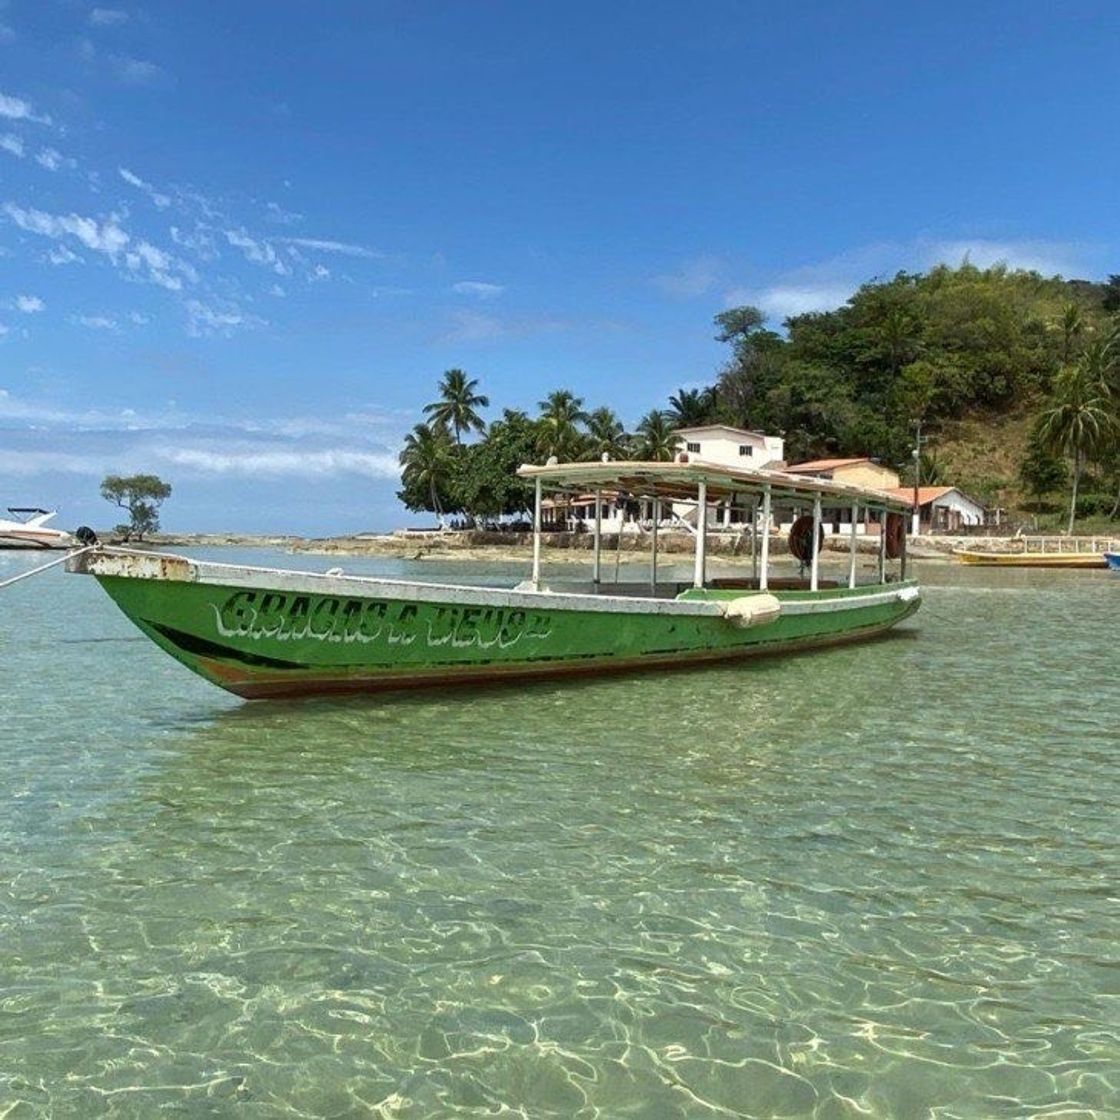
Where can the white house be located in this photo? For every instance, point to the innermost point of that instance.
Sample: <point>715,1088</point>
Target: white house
<point>730,447</point>
<point>943,508</point>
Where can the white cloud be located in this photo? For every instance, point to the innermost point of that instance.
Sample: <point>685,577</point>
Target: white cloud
<point>96,322</point>
<point>107,17</point>
<point>277,213</point>
<point>692,279</point>
<point>162,201</point>
<point>332,247</point>
<point>3,330</point>
<point>204,320</point>
<point>59,254</point>
<point>1049,258</point>
<point>479,288</point>
<point>135,71</point>
<point>253,462</point>
<point>52,159</point>
<point>259,252</point>
<point>139,258</point>
<point>319,272</point>
<point>136,318</point>
<point>783,300</point>
<point>277,291</point>
<point>105,236</point>
<point>28,305</point>
<point>16,109</point>
<point>11,144</point>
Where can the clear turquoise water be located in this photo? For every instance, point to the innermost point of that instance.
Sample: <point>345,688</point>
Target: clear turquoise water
<point>878,881</point>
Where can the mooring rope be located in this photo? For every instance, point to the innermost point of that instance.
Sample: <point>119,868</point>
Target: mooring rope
<point>44,567</point>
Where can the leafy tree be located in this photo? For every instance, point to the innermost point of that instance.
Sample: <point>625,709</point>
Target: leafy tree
<point>458,404</point>
<point>559,426</point>
<point>606,435</point>
<point>427,469</point>
<point>1079,420</point>
<point>1111,299</point>
<point>141,495</point>
<point>1042,472</point>
<point>655,440</point>
<point>487,484</point>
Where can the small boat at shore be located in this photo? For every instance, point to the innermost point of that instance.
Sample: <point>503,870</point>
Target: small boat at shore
<point>28,528</point>
<point>1112,559</point>
<point>1041,552</point>
<point>264,632</point>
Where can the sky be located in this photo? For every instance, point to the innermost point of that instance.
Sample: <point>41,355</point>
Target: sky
<point>240,243</point>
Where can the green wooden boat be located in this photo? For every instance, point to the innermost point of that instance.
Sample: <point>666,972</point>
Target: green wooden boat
<point>262,632</point>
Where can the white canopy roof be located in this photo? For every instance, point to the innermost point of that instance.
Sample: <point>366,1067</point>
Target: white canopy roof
<point>678,481</point>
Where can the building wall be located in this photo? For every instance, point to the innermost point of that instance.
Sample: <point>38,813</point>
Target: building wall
<point>722,446</point>
<point>872,475</point>
<point>952,510</point>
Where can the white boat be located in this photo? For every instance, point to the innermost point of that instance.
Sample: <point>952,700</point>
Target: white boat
<point>28,528</point>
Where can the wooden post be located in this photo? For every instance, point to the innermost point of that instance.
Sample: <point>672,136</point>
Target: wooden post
<point>653,552</point>
<point>852,555</point>
<point>597,560</point>
<point>814,569</point>
<point>902,558</point>
<point>537,536</point>
<point>764,578</point>
<point>701,534</point>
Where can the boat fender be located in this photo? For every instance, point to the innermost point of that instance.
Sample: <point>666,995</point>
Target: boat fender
<point>752,610</point>
<point>895,530</point>
<point>801,539</point>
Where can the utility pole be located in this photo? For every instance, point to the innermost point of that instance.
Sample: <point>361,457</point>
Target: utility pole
<point>916,525</point>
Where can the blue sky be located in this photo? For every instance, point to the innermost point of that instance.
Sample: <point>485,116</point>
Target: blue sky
<point>239,243</point>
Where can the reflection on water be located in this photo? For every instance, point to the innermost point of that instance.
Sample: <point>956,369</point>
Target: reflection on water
<point>877,881</point>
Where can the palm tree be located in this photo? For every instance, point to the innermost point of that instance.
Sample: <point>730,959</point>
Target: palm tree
<point>690,407</point>
<point>1073,323</point>
<point>561,414</point>
<point>1080,419</point>
<point>606,435</point>
<point>656,440</point>
<point>425,461</point>
<point>457,406</point>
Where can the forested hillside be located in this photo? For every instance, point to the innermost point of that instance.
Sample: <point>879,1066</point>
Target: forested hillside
<point>1015,379</point>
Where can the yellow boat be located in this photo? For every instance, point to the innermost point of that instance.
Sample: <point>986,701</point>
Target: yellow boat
<point>1042,552</point>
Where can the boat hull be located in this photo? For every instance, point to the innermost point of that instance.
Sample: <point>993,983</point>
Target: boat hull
<point>1112,559</point>
<point>268,634</point>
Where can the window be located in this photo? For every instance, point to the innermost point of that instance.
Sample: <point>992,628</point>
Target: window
<point>746,449</point>
<point>694,448</point>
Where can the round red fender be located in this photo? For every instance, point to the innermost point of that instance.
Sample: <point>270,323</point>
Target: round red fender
<point>801,539</point>
<point>895,530</point>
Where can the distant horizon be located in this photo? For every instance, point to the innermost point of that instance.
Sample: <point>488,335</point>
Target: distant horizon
<point>247,276</point>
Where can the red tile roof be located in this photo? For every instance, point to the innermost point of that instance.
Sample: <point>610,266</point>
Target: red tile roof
<point>814,466</point>
<point>926,494</point>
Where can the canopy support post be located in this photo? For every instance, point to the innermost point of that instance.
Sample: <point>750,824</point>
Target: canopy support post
<point>764,578</point>
<point>754,539</point>
<point>537,536</point>
<point>597,561</point>
<point>814,568</point>
<point>902,557</point>
<point>701,534</point>
<point>882,546</point>
<point>653,551</point>
<point>852,553</point>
